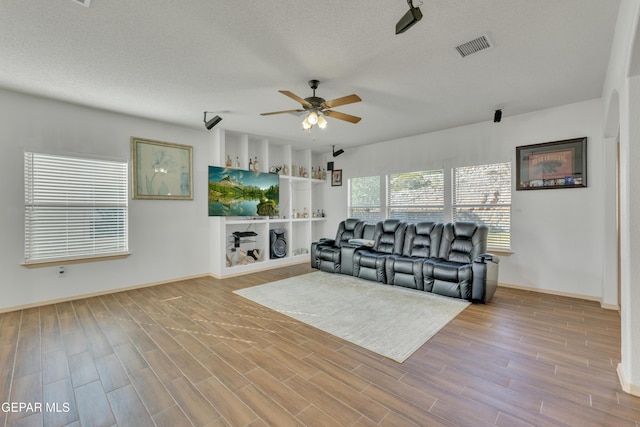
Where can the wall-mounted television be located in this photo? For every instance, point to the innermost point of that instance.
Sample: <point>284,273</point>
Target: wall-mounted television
<point>237,192</point>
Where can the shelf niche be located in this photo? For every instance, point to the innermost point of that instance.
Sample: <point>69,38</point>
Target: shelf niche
<point>297,194</point>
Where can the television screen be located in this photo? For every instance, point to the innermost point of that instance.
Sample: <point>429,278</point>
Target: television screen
<point>237,192</point>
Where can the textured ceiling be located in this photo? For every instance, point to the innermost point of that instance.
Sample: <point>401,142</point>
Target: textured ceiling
<point>172,60</point>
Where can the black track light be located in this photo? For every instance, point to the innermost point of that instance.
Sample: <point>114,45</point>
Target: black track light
<point>337,153</point>
<point>212,122</point>
<point>497,116</point>
<point>409,19</point>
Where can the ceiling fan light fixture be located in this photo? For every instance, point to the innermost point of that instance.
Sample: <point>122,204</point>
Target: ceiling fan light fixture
<point>317,108</point>
<point>305,124</point>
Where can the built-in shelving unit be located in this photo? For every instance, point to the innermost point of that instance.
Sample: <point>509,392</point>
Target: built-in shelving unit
<point>299,194</point>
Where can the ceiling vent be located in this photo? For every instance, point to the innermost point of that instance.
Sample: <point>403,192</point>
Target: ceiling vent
<point>473,46</point>
<point>85,3</point>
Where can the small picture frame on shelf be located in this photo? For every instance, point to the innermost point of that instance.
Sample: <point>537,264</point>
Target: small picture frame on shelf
<point>336,178</point>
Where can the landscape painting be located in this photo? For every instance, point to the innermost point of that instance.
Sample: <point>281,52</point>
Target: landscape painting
<point>237,192</point>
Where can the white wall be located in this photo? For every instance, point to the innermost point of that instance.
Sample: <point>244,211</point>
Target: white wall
<point>556,234</point>
<point>168,239</point>
<point>621,111</point>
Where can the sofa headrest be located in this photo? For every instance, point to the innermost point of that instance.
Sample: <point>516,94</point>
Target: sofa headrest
<point>351,223</point>
<point>464,229</point>
<point>425,227</point>
<point>369,231</point>
<point>390,225</point>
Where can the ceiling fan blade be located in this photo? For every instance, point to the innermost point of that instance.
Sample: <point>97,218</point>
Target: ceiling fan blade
<point>349,99</point>
<point>281,112</point>
<point>342,116</point>
<point>295,97</point>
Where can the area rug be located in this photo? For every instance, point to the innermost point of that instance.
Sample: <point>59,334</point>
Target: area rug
<point>389,320</point>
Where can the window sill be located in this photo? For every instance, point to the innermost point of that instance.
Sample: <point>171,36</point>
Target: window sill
<point>501,252</point>
<point>68,261</point>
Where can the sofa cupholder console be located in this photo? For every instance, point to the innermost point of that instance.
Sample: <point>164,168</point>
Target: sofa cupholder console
<point>446,259</point>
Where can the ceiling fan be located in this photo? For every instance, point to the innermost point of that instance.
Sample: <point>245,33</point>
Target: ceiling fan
<point>318,107</point>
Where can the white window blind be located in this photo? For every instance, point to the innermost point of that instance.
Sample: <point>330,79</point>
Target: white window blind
<point>416,196</point>
<point>482,194</point>
<point>74,207</point>
<point>364,198</point>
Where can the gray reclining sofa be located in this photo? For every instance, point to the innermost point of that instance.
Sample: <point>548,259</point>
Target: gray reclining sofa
<point>446,259</point>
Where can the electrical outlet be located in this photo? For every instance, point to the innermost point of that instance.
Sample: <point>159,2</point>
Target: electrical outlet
<point>62,271</point>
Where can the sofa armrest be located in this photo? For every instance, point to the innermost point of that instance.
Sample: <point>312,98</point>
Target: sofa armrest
<point>485,278</point>
<point>361,242</point>
<point>346,253</point>
<point>317,246</point>
<point>314,254</point>
<point>487,258</point>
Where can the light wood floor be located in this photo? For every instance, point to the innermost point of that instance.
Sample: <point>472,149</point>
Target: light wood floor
<point>194,353</point>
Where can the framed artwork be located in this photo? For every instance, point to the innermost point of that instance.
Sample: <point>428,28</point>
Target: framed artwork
<point>558,164</point>
<point>161,170</point>
<point>237,192</point>
<point>336,178</point>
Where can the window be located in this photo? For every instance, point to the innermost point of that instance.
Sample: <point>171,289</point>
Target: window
<point>482,194</point>
<point>416,196</point>
<point>364,198</point>
<point>74,207</point>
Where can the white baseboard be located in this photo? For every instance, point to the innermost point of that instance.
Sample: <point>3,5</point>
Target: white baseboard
<point>632,389</point>
<point>615,307</point>
<point>562,294</point>
<point>96,294</point>
<point>270,267</point>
